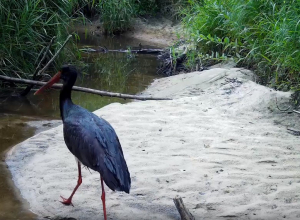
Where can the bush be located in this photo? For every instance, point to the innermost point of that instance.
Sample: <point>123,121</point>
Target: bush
<point>260,34</point>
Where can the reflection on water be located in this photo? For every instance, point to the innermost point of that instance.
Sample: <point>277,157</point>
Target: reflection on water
<point>114,72</point>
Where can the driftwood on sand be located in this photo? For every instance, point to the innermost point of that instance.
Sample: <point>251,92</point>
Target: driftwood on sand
<point>183,211</point>
<point>82,89</point>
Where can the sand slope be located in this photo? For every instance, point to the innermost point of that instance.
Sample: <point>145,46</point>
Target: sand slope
<point>221,144</point>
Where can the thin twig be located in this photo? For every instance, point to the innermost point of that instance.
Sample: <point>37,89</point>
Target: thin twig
<point>171,59</point>
<point>29,87</point>
<point>296,111</point>
<point>55,55</point>
<point>44,56</point>
<point>82,89</point>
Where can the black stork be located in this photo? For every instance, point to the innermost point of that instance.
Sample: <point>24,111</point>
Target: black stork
<point>91,139</point>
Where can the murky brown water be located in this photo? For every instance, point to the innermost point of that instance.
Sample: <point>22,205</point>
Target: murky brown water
<point>21,118</point>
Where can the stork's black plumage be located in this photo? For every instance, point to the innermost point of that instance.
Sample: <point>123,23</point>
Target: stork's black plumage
<point>91,139</point>
<point>95,144</point>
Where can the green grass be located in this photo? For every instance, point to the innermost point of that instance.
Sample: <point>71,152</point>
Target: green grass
<point>260,34</point>
<point>26,28</point>
<point>116,15</point>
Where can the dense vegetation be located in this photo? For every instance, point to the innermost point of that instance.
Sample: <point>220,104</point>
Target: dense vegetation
<point>260,34</point>
<point>26,28</point>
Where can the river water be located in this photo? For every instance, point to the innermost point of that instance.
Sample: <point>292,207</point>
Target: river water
<point>21,118</point>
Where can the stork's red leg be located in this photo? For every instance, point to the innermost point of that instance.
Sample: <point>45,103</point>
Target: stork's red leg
<point>103,199</point>
<point>79,181</point>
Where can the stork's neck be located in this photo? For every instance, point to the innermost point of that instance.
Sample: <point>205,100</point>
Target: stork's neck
<point>65,101</point>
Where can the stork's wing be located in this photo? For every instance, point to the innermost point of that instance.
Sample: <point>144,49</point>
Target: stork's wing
<point>95,143</point>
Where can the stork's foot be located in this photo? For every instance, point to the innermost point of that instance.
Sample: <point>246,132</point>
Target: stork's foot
<point>66,201</point>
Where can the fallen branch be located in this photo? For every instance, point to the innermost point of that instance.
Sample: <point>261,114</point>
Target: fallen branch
<point>104,50</point>
<point>142,51</point>
<point>82,89</point>
<point>183,211</point>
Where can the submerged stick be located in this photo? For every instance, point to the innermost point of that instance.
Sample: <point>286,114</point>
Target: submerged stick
<point>104,50</point>
<point>82,89</point>
<point>183,211</point>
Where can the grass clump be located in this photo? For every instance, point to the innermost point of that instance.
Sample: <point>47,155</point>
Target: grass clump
<point>261,34</point>
<point>26,28</point>
<point>116,15</point>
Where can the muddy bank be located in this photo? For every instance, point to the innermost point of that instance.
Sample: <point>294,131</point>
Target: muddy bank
<point>160,32</point>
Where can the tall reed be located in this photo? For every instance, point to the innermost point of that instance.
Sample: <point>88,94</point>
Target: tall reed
<point>261,34</point>
<point>26,28</point>
<point>116,15</point>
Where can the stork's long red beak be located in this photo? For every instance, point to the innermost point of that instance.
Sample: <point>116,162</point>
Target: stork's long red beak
<point>53,80</point>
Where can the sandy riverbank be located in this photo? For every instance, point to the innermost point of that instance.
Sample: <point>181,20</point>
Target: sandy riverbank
<point>221,144</point>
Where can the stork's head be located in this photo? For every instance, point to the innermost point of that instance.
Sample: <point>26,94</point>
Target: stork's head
<point>68,74</point>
